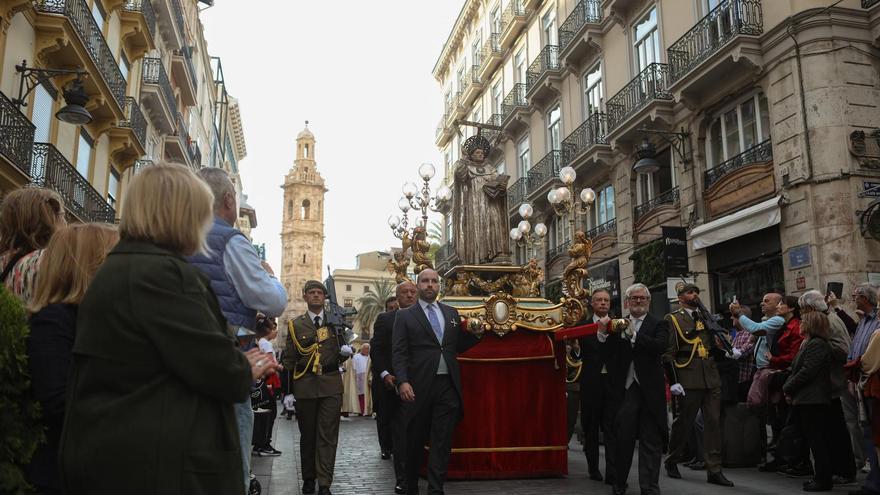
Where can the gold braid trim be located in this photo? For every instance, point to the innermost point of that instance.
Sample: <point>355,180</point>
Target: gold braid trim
<point>579,365</point>
<point>311,351</point>
<point>696,342</point>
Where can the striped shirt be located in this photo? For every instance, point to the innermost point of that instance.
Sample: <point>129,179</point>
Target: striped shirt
<point>866,328</point>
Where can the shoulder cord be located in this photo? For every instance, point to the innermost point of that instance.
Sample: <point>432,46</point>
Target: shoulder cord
<point>573,364</point>
<point>696,345</point>
<point>312,351</point>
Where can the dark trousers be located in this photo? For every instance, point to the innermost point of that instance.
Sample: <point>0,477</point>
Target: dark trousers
<point>318,421</point>
<point>871,484</point>
<point>390,427</point>
<point>574,404</point>
<point>635,421</point>
<point>814,425</point>
<point>840,446</point>
<point>709,401</point>
<point>598,409</point>
<point>434,422</point>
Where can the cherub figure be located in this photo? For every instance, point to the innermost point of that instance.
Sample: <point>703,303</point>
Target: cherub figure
<point>576,270</point>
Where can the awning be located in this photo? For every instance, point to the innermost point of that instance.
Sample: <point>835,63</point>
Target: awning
<point>760,216</point>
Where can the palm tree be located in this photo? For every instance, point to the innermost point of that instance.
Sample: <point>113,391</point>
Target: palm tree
<point>371,304</point>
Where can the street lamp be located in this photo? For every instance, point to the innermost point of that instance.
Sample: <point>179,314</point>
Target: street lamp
<point>645,161</point>
<point>420,198</point>
<point>563,201</point>
<point>75,97</point>
<point>523,235</point>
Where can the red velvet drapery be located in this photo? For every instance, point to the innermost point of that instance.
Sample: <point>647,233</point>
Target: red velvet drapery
<point>514,422</point>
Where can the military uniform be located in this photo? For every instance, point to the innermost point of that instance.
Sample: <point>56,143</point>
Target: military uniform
<point>689,362</point>
<point>312,354</point>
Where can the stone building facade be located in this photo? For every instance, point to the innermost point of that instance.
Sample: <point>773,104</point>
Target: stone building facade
<point>762,116</point>
<point>302,229</point>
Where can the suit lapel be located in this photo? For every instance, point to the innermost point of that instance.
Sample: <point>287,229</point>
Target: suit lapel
<point>447,322</point>
<point>423,319</point>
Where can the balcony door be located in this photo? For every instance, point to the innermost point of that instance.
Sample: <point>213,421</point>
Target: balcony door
<point>520,66</point>
<point>646,41</point>
<point>551,37</point>
<point>524,161</point>
<point>594,99</point>
<point>554,129</point>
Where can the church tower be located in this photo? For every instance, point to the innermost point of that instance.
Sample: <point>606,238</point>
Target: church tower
<point>302,230</point>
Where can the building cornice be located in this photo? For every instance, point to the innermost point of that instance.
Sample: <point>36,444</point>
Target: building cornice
<point>453,41</point>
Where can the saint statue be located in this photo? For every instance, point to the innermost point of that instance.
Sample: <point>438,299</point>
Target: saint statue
<point>479,210</point>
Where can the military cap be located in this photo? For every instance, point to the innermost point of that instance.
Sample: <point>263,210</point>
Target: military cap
<point>314,284</point>
<point>685,287</point>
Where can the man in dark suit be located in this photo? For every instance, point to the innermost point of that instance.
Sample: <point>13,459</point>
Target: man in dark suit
<point>598,407</point>
<point>390,428</point>
<point>636,377</point>
<point>427,338</point>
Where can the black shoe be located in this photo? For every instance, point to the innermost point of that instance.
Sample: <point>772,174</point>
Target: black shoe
<point>617,490</point>
<point>596,476</point>
<point>718,479</point>
<point>672,471</point>
<point>324,490</point>
<point>769,467</point>
<point>814,486</point>
<point>697,466</point>
<point>308,486</point>
<point>400,489</point>
<point>798,471</point>
<point>274,450</point>
<point>842,480</point>
<point>386,455</point>
<point>266,452</point>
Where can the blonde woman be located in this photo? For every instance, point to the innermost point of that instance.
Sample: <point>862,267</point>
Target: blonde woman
<point>28,218</point>
<point>155,372</point>
<point>68,264</point>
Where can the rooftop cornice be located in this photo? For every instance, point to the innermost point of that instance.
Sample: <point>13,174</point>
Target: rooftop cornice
<point>453,41</point>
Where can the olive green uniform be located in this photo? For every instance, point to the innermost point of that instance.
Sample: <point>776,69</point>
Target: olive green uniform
<point>314,359</point>
<point>688,356</point>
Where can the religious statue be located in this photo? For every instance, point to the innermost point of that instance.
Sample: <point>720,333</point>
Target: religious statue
<point>458,286</point>
<point>420,248</point>
<point>576,270</point>
<point>479,210</point>
<point>399,265</point>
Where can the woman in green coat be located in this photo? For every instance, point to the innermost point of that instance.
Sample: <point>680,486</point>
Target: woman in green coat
<point>155,370</point>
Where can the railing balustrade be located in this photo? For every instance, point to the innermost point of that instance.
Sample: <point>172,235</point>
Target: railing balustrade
<point>650,84</point>
<point>760,153</point>
<point>591,132</point>
<point>516,98</point>
<point>144,7</point>
<point>135,120</point>
<point>545,170</point>
<point>16,135</point>
<point>585,12</point>
<point>547,60</point>
<point>669,197</point>
<point>50,169</point>
<point>154,73</point>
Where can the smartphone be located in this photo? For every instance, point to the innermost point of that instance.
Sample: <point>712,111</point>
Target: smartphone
<point>835,287</point>
<point>734,299</point>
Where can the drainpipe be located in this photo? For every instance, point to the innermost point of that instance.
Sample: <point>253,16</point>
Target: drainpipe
<point>797,57</point>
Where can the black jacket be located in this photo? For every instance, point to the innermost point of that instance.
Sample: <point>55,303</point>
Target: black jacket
<point>810,378</point>
<point>416,351</point>
<point>380,344</point>
<point>50,351</point>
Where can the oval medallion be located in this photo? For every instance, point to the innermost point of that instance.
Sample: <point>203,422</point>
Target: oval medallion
<point>501,311</point>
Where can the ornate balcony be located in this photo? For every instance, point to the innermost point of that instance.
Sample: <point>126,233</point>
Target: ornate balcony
<point>516,193</point>
<point>544,74</point>
<point>179,147</point>
<point>760,153</point>
<point>707,54</point>
<point>543,173</point>
<point>644,94</point>
<point>50,169</point>
<point>558,250</point>
<point>609,227</point>
<point>138,26</point>
<point>157,95</point>
<point>453,110</point>
<point>141,164</point>
<point>741,181</point>
<point>169,15</point>
<point>581,32</point>
<point>184,74</point>
<point>670,197</point>
<point>513,20</point>
<point>16,141</point>
<point>491,135</point>
<point>68,36</point>
<point>474,85</point>
<point>128,140</point>
<point>443,133</point>
<point>579,146</point>
<point>491,56</point>
<point>867,4</point>
<point>514,103</point>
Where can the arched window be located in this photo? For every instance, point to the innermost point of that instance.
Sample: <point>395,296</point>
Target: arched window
<point>290,208</point>
<point>304,211</point>
<point>306,151</point>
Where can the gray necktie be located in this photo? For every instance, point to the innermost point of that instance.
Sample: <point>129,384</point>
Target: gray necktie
<point>435,323</point>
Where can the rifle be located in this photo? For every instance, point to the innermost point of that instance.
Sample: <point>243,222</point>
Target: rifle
<point>336,315</point>
<point>715,329</point>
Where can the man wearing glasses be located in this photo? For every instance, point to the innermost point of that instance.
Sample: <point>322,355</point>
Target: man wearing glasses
<point>865,298</point>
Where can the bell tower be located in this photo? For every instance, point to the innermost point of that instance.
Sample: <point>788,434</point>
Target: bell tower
<point>302,230</point>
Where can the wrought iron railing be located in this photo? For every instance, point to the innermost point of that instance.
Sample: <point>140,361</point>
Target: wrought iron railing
<point>139,165</point>
<point>650,84</point>
<point>452,104</point>
<point>145,8</point>
<point>588,134</point>
<point>440,127</point>
<point>188,63</point>
<point>178,18</point>
<point>495,120</point>
<point>491,48</point>
<point>80,17</point>
<point>183,136</point>
<point>760,153</point>
<point>558,250</point>
<point>514,9</point>
<point>444,254</point>
<point>16,135</point>
<point>585,12</point>
<point>867,4</point>
<point>670,197</point>
<point>516,193</point>
<point>605,228</point>
<point>547,60</point>
<point>515,99</point>
<point>154,73</point>
<point>135,120</point>
<point>50,169</point>
<point>473,77</point>
<point>723,23</point>
<point>545,170</point>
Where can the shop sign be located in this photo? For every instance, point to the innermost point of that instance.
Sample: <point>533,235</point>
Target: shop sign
<point>675,251</point>
<point>799,257</point>
<point>671,282</point>
<point>801,282</point>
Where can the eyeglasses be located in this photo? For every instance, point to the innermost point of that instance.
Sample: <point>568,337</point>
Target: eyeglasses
<point>637,298</point>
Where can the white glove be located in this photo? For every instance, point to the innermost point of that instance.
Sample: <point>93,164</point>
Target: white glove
<point>346,350</point>
<point>289,401</point>
<point>737,353</point>
<point>677,389</point>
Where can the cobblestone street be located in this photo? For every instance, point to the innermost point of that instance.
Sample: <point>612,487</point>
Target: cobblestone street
<point>360,471</point>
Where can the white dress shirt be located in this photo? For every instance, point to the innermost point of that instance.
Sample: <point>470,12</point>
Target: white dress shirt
<point>442,368</point>
<point>313,315</point>
<point>631,373</point>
